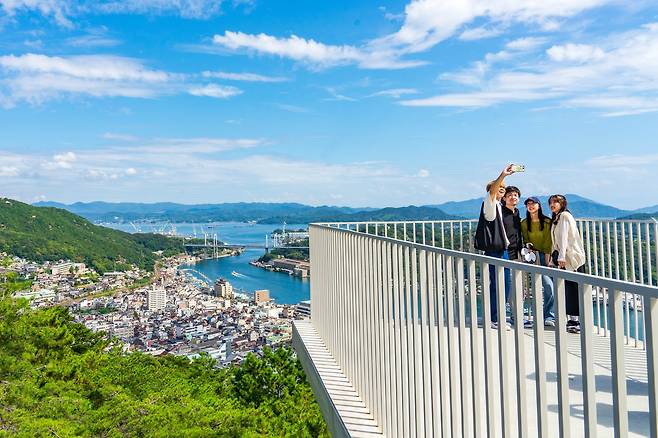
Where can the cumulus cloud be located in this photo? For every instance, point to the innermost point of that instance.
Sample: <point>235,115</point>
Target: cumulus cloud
<point>617,76</point>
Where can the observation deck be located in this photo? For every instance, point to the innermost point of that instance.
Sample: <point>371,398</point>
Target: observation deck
<point>400,341</point>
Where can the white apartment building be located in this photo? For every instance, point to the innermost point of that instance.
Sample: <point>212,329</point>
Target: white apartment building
<point>157,299</point>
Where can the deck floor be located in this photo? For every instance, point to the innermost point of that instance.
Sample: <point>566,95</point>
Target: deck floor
<point>636,372</point>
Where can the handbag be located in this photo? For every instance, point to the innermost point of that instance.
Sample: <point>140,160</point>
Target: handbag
<point>554,256</point>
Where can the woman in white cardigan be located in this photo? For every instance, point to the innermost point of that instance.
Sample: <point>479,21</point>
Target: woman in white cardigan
<point>568,253</point>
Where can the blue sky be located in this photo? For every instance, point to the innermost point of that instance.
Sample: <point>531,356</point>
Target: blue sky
<point>336,102</point>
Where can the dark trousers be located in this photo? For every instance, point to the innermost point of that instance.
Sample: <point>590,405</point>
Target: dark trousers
<point>571,294</point>
<point>493,283</point>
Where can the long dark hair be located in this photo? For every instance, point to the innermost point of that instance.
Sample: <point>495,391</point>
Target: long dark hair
<point>542,218</point>
<point>563,206</point>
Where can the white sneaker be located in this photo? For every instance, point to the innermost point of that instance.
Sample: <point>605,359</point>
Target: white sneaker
<point>494,325</point>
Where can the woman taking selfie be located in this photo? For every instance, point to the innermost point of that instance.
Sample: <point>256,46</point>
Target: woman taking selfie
<point>536,230</point>
<point>568,254</point>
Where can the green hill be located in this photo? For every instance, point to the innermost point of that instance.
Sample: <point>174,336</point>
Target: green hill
<point>46,233</point>
<point>60,379</point>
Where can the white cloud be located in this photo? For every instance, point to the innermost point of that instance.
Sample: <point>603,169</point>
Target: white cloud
<point>8,171</point>
<point>162,167</point>
<point>216,91</point>
<point>57,9</point>
<point>61,161</point>
<point>92,40</point>
<point>396,92</point>
<point>426,24</point>
<point>310,51</point>
<point>197,9</point>
<point>62,11</point>
<point>336,96</point>
<point>119,137</point>
<point>525,44</point>
<point>36,78</point>
<point>246,77</point>
<point>292,108</point>
<point>575,53</point>
<point>622,161</point>
<point>479,33</point>
<point>617,76</point>
<point>423,173</point>
<point>94,67</point>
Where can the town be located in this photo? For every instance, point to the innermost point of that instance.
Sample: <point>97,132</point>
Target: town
<point>170,312</point>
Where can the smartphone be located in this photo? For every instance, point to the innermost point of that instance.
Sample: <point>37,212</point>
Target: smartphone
<point>518,168</point>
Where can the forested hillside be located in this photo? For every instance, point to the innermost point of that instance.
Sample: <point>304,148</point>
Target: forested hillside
<point>57,378</point>
<point>46,233</point>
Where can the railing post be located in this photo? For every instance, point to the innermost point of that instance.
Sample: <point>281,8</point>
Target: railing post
<point>562,367</point>
<point>618,366</point>
<point>521,396</point>
<point>464,377</point>
<point>475,349</point>
<point>488,353</point>
<point>586,347</point>
<point>651,322</point>
<point>503,357</point>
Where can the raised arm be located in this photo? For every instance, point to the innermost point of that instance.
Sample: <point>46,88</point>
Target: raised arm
<point>491,201</point>
<point>493,188</point>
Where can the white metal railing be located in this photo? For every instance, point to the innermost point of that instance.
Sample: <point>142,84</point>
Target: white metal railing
<point>618,249</point>
<point>402,321</point>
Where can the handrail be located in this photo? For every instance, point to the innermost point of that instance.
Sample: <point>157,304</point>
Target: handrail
<point>402,319</point>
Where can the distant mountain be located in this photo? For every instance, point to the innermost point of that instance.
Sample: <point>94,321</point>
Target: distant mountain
<point>410,213</point>
<point>276,213</point>
<point>641,216</point>
<point>47,233</point>
<point>579,206</point>
<point>647,210</point>
<point>165,211</point>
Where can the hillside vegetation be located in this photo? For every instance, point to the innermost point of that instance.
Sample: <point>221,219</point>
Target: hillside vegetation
<point>58,378</point>
<point>46,233</point>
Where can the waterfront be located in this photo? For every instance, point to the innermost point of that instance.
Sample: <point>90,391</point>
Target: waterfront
<point>284,289</point>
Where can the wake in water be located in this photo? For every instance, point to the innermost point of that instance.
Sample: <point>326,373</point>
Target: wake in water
<point>237,274</point>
